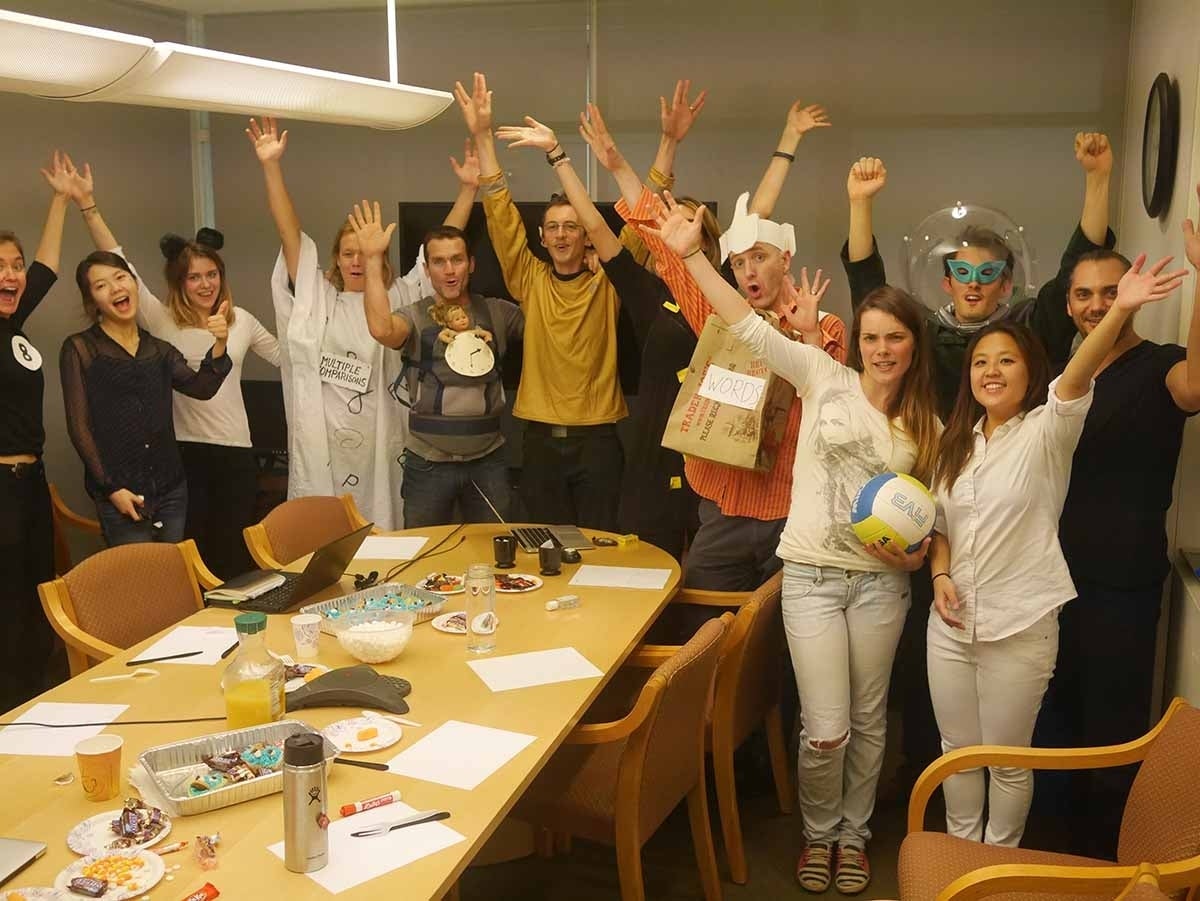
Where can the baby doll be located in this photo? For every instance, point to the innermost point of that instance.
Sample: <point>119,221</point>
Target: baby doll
<point>454,318</point>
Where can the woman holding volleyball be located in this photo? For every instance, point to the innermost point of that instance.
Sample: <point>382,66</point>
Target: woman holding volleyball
<point>999,576</point>
<point>843,604</point>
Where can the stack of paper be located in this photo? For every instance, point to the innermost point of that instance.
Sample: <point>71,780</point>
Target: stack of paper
<point>460,755</point>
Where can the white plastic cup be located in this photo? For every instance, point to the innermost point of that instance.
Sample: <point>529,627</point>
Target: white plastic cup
<point>306,631</point>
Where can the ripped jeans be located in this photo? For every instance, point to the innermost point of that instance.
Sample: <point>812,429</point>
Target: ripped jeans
<point>842,630</point>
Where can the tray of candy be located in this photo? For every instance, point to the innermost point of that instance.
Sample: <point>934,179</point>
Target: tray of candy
<point>425,605</point>
<point>175,766</point>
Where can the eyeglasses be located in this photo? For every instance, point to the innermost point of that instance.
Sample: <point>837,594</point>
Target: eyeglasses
<point>567,228</point>
<point>985,273</point>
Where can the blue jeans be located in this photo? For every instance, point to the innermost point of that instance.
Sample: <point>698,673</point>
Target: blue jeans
<point>163,519</point>
<point>431,489</point>
<point>842,630</point>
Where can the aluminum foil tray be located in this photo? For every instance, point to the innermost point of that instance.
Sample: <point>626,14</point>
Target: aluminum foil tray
<point>174,766</point>
<point>347,602</point>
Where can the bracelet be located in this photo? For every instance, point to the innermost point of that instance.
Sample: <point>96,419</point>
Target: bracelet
<point>562,155</point>
<point>87,209</point>
<point>935,575</point>
<point>790,157</point>
<point>690,254</point>
<point>562,158</point>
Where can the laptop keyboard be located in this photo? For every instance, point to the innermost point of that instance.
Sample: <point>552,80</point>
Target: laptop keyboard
<point>532,537</point>
<point>277,600</point>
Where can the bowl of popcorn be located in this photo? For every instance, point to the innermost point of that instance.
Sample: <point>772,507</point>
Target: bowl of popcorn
<point>374,636</point>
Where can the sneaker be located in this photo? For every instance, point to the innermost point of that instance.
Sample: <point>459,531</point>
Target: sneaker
<point>853,871</point>
<point>813,867</point>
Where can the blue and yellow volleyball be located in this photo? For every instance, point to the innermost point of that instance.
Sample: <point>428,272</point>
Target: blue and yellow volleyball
<point>893,506</point>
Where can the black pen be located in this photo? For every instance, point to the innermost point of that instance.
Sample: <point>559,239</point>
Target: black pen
<point>229,650</point>
<point>160,659</point>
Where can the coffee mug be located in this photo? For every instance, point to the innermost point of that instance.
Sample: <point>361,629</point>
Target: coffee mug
<point>99,760</point>
<point>551,559</point>
<point>505,547</point>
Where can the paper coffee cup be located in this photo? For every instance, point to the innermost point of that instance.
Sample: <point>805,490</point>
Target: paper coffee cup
<point>306,631</point>
<point>99,760</point>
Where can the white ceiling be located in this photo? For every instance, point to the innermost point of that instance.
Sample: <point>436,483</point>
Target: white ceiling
<point>225,7</point>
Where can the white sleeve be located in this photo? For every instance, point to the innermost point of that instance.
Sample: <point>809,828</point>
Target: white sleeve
<point>1061,421</point>
<point>262,342</point>
<point>803,366</point>
<point>152,313</point>
<point>416,280</point>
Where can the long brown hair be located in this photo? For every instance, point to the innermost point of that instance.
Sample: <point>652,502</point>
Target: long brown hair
<point>176,272</point>
<point>334,274</point>
<point>914,403</point>
<point>958,440</point>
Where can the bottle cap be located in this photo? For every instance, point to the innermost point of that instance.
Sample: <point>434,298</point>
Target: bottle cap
<point>304,749</point>
<point>250,623</point>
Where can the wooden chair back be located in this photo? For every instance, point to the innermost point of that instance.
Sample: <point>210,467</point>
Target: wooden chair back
<point>300,526</point>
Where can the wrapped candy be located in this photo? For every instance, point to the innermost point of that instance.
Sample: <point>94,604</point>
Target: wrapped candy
<point>206,850</point>
<point>86,885</point>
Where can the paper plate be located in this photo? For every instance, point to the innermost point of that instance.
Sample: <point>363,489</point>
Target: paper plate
<point>447,623</point>
<point>299,682</point>
<point>36,894</point>
<point>536,583</point>
<point>460,583</point>
<point>93,835</point>
<point>146,877</point>
<point>344,734</point>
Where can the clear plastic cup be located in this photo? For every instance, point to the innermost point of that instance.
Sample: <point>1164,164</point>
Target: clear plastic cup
<point>481,609</point>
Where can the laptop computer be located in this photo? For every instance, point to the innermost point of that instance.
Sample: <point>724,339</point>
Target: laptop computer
<point>16,854</point>
<point>530,538</point>
<point>326,566</point>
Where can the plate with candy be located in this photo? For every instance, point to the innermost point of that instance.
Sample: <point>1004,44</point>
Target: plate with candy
<point>113,876</point>
<point>454,623</point>
<point>232,767</point>
<point>363,734</point>
<point>443,583</point>
<point>300,674</point>
<point>33,894</point>
<point>516,583</point>
<point>136,825</point>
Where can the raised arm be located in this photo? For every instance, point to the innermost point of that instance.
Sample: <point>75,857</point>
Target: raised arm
<point>388,328</point>
<point>1183,379</point>
<point>677,118</point>
<point>595,132</point>
<point>866,179</point>
<point>1135,290</point>
<point>83,191</point>
<point>1095,156</point>
<point>269,145</point>
<point>467,174</point>
<point>535,134</point>
<point>58,176</point>
<point>800,120</point>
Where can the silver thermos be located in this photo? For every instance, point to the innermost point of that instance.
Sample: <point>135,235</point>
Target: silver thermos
<point>305,811</point>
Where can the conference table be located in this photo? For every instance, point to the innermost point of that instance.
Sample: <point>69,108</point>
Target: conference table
<point>605,628</point>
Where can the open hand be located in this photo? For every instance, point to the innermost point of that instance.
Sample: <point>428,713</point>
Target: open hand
<point>266,139</point>
<point>801,119</point>
<point>680,234</point>
<point>1093,152</point>
<point>867,178</point>
<point>367,222</point>
<point>1191,240</point>
<point>127,503</point>
<point>57,175</point>
<point>897,557</point>
<point>595,132</point>
<point>532,134</point>
<point>1137,288</point>
<point>476,106</point>
<point>801,305</point>
<point>467,172</point>
<point>946,602</point>
<point>679,117</point>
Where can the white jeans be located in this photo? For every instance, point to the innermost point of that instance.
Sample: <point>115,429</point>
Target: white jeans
<point>842,631</point>
<point>989,693</point>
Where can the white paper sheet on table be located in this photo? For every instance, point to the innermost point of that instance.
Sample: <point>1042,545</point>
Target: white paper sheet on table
<point>458,754</point>
<point>213,641</point>
<point>37,741</point>
<point>534,668</point>
<point>390,547</point>
<point>620,577</point>
<point>353,861</point>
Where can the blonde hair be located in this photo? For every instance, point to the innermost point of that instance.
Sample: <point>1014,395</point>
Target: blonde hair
<point>334,274</point>
<point>442,314</point>
<point>176,272</point>
<point>710,231</point>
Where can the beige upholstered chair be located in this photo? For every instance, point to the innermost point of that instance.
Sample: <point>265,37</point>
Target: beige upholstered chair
<point>616,782</point>
<point>300,526</point>
<point>123,595</point>
<point>1161,824</point>
<point>1144,886</point>
<point>66,519</point>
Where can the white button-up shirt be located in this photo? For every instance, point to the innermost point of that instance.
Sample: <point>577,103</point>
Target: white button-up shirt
<point>1001,518</point>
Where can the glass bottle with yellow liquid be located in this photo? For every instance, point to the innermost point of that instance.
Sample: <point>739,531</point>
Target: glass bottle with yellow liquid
<point>253,681</point>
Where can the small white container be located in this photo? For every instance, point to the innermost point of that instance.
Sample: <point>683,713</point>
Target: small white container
<point>374,636</point>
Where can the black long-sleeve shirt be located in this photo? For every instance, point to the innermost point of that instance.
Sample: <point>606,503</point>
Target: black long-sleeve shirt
<point>119,409</point>
<point>21,380</point>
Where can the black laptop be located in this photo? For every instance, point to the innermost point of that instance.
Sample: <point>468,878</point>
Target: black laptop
<point>327,564</point>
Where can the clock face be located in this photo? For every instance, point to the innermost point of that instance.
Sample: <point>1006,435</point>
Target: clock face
<point>470,355</point>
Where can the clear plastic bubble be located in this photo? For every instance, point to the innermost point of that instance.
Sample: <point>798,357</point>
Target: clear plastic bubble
<point>939,233</point>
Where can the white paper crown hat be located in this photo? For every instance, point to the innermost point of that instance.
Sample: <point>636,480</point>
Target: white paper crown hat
<point>747,229</point>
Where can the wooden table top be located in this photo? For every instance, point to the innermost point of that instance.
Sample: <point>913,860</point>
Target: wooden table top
<point>604,628</point>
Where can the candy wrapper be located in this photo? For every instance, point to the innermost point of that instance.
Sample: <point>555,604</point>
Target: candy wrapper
<point>137,824</point>
<point>86,885</point>
<point>223,763</point>
<point>206,850</point>
<point>205,893</point>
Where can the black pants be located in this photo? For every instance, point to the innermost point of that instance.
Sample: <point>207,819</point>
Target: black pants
<point>1100,695</point>
<point>221,485</point>
<point>26,558</point>
<point>572,478</point>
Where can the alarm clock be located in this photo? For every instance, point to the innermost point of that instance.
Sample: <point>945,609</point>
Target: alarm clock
<point>470,355</point>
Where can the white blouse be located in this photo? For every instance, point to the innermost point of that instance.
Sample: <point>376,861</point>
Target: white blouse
<point>1001,518</point>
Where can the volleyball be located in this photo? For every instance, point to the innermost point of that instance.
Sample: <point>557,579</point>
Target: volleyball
<point>893,507</point>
